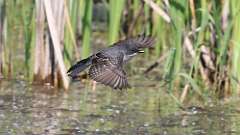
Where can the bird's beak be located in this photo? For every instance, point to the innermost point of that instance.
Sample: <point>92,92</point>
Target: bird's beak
<point>140,51</point>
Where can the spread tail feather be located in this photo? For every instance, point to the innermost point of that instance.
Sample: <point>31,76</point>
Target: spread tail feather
<point>79,67</point>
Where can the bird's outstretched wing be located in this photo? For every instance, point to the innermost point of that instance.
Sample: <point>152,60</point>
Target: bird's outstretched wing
<point>140,41</point>
<point>109,71</point>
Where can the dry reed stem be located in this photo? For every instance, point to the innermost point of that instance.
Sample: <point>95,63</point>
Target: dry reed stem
<point>56,43</point>
<point>188,44</point>
<point>158,10</point>
<point>184,93</point>
<point>39,48</point>
<point>225,15</point>
<point>192,7</point>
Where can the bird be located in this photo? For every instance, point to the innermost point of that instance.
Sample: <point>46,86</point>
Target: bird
<point>106,65</point>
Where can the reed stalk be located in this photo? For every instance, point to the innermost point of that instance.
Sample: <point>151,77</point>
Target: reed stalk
<point>87,23</point>
<point>169,69</point>
<point>147,24</point>
<point>2,16</point>
<point>178,16</point>
<point>235,10</point>
<point>115,14</point>
<point>70,44</point>
<point>56,38</point>
<point>9,48</point>
<point>39,42</point>
<point>28,18</point>
<point>158,26</point>
<point>208,31</point>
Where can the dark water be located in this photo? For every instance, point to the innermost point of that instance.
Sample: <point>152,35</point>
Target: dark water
<point>28,109</point>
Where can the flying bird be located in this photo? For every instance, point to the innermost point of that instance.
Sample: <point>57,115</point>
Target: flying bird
<point>106,66</point>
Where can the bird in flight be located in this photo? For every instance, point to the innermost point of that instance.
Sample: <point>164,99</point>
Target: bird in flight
<point>106,66</point>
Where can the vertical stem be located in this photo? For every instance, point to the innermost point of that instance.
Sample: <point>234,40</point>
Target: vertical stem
<point>192,7</point>
<point>39,48</point>
<point>235,6</point>
<point>115,12</point>
<point>87,23</point>
<point>2,14</point>
<point>56,43</point>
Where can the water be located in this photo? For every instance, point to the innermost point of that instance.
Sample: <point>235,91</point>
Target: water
<point>38,110</point>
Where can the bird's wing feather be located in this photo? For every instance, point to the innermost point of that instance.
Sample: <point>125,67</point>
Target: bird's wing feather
<point>109,71</point>
<point>140,41</point>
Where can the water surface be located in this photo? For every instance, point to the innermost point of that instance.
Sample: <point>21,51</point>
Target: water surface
<point>31,109</point>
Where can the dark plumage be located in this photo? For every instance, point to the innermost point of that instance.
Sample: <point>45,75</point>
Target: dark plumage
<point>106,66</point>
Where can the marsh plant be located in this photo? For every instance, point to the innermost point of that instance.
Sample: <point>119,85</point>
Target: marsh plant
<point>197,44</point>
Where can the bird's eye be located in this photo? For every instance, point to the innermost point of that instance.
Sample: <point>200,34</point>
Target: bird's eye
<point>134,50</point>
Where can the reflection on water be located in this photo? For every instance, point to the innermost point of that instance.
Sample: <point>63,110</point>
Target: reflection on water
<point>26,109</point>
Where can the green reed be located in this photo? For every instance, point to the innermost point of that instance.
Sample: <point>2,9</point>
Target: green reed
<point>158,26</point>
<point>235,10</point>
<point>28,20</point>
<point>169,69</point>
<point>70,45</point>
<point>115,15</point>
<point>87,24</point>
<point>201,22</point>
<point>12,19</point>
<point>178,16</point>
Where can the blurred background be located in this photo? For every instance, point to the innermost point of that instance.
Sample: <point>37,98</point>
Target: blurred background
<point>197,41</point>
<point>195,61</point>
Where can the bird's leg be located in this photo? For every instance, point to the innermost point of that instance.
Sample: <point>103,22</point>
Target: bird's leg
<point>94,83</point>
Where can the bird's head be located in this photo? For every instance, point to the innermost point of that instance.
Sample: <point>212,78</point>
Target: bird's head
<point>137,44</point>
<point>135,50</point>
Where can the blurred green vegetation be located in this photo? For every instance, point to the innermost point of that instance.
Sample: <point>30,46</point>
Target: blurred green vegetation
<point>199,38</point>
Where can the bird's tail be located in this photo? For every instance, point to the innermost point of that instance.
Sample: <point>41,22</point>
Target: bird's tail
<point>79,67</point>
